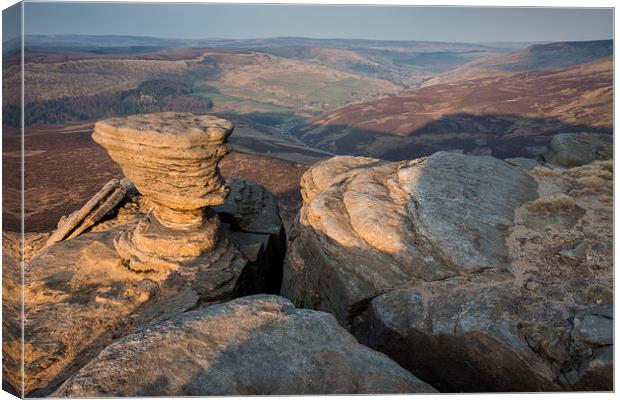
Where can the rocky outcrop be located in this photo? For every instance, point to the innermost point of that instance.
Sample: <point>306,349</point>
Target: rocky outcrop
<point>80,296</point>
<point>575,149</point>
<point>368,226</point>
<point>259,345</point>
<point>172,159</point>
<point>443,264</point>
<point>83,293</point>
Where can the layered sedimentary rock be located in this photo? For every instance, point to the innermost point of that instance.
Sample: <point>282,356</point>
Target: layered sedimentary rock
<point>474,274</point>
<point>172,159</point>
<point>258,345</point>
<point>83,292</point>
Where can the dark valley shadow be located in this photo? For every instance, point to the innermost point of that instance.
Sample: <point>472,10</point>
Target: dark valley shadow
<point>499,135</point>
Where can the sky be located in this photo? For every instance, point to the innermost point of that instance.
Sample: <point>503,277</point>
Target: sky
<point>235,21</point>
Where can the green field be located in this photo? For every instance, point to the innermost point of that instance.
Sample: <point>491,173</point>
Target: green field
<point>238,104</point>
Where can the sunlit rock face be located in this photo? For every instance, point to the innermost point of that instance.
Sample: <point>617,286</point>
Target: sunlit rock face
<point>146,260</point>
<point>473,273</point>
<point>172,159</point>
<point>372,226</point>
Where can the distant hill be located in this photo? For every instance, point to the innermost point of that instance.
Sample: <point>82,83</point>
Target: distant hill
<point>390,99</point>
<point>407,63</point>
<point>511,114</point>
<point>556,55</point>
<point>99,41</point>
<point>403,66</point>
<point>534,58</point>
<point>128,40</point>
<point>232,80</point>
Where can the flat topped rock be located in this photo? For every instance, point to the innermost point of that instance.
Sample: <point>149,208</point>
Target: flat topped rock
<point>165,129</point>
<point>172,159</point>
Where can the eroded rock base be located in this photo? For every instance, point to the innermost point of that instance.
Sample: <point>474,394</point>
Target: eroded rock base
<point>155,248</point>
<point>81,296</point>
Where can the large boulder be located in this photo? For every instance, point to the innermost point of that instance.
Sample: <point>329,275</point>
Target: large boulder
<point>473,274</point>
<point>368,226</point>
<point>258,345</point>
<point>574,149</point>
<point>80,295</point>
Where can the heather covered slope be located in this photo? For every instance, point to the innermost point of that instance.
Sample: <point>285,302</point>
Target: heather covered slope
<point>230,79</point>
<point>534,58</point>
<point>403,62</point>
<point>298,76</point>
<point>505,115</point>
<point>408,64</point>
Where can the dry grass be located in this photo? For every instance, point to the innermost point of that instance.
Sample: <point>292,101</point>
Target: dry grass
<point>593,182</point>
<point>595,179</point>
<point>557,203</point>
<point>545,172</point>
<point>600,169</point>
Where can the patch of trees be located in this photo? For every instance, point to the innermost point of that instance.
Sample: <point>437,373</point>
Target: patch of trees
<point>273,118</point>
<point>150,96</point>
<point>365,68</point>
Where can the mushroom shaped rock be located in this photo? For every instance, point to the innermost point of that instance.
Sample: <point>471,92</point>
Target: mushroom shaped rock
<point>172,159</point>
<point>80,296</point>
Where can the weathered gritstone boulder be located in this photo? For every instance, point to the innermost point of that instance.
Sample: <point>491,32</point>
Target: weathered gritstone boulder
<point>172,159</point>
<point>439,263</point>
<point>575,149</point>
<point>368,226</point>
<point>81,294</point>
<point>258,345</point>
